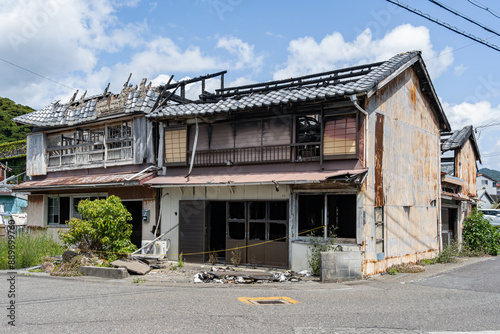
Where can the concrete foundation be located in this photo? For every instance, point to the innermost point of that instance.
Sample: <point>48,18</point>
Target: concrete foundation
<point>117,273</point>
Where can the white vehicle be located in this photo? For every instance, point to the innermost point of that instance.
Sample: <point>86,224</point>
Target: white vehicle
<point>493,215</point>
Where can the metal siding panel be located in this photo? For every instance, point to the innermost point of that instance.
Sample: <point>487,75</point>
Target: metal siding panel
<point>379,160</point>
<point>192,230</point>
<point>36,162</point>
<point>140,140</point>
<point>150,144</point>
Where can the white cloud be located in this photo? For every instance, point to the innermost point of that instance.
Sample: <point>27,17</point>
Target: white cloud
<point>306,55</point>
<point>459,70</point>
<point>479,114</point>
<point>243,51</point>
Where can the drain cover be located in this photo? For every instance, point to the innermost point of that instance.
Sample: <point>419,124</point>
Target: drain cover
<point>268,300</point>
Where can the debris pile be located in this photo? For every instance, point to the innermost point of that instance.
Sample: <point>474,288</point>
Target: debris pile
<point>230,275</point>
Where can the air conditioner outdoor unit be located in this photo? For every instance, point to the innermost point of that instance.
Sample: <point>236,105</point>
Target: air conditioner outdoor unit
<point>147,250</point>
<point>158,247</point>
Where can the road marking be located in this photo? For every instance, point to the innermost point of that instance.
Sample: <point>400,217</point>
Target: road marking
<point>268,300</point>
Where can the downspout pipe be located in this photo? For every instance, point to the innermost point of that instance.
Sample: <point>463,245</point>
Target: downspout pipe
<point>354,100</point>
<point>194,148</point>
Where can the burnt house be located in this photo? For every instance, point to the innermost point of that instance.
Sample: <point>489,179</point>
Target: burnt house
<point>460,154</point>
<point>90,148</point>
<point>252,171</point>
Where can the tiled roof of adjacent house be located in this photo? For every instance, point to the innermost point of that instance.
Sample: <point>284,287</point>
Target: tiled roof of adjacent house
<point>347,81</point>
<point>458,138</point>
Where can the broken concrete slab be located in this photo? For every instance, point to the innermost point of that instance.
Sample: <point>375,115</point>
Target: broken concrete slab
<point>135,267</point>
<point>116,273</point>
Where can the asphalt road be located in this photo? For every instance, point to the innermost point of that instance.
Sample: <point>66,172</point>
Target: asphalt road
<point>466,299</point>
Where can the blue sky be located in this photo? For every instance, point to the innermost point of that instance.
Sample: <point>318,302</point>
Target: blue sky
<point>86,44</point>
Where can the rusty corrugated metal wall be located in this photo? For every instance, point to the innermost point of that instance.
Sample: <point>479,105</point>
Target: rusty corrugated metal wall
<point>465,168</point>
<point>410,172</point>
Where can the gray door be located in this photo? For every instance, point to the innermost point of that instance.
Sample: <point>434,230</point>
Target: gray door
<point>192,230</point>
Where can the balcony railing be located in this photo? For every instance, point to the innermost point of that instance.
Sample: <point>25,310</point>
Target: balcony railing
<point>258,155</point>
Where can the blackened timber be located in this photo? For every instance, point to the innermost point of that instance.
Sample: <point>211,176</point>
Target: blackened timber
<point>352,72</point>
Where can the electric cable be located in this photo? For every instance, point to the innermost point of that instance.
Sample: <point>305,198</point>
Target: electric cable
<point>444,24</point>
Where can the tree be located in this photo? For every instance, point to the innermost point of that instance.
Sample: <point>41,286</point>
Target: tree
<point>480,235</point>
<point>103,228</point>
<point>9,130</point>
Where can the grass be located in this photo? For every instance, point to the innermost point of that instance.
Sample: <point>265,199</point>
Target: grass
<point>30,250</point>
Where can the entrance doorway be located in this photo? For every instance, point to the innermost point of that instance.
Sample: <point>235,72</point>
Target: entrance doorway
<point>255,232</point>
<point>135,209</point>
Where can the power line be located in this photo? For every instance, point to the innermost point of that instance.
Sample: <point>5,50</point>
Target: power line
<point>444,24</point>
<point>41,76</point>
<point>457,13</point>
<point>492,12</point>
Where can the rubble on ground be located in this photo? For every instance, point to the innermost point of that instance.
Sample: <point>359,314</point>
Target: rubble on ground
<point>230,275</point>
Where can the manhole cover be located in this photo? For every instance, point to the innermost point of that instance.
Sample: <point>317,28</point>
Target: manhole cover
<point>268,300</point>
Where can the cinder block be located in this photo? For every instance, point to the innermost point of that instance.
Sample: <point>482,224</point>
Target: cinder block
<point>117,273</point>
<point>341,266</point>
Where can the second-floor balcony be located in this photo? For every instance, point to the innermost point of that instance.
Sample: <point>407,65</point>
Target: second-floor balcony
<point>258,155</point>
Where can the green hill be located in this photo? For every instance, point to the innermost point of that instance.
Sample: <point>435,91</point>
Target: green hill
<point>494,174</point>
<point>10,131</point>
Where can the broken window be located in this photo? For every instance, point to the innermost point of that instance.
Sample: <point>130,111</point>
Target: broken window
<point>278,210</point>
<point>236,210</point>
<point>175,146</point>
<point>307,138</point>
<point>119,141</point>
<point>86,146</point>
<point>236,230</point>
<point>277,232</point>
<point>258,210</point>
<point>257,231</point>
<point>319,214</point>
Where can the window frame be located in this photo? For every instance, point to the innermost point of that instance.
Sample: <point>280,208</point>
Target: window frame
<point>71,209</point>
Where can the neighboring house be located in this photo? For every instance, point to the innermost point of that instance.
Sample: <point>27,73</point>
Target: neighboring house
<point>12,202</point>
<point>485,200</point>
<point>262,166</point>
<point>92,148</point>
<point>460,154</point>
<point>487,183</point>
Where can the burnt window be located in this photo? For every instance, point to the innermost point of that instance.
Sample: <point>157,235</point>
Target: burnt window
<point>278,210</point>
<point>257,210</point>
<point>236,210</point>
<point>236,230</point>
<point>340,215</point>
<point>257,231</point>
<point>277,232</point>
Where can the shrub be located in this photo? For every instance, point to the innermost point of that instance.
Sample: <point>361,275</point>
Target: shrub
<point>30,250</point>
<point>318,245</point>
<point>480,235</point>
<point>103,228</point>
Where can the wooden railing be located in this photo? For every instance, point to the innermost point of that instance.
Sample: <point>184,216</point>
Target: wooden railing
<point>257,155</point>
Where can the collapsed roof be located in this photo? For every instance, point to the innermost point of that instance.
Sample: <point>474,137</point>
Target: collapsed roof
<point>161,102</point>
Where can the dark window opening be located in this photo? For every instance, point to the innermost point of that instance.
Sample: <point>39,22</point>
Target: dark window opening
<point>342,215</point>
<point>257,210</point>
<point>340,212</point>
<point>257,231</point>
<point>236,230</point>
<point>217,227</point>
<point>311,215</point>
<point>278,211</point>
<point>277,232</point>
<point>64,210</point>
<point>236,210</point>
